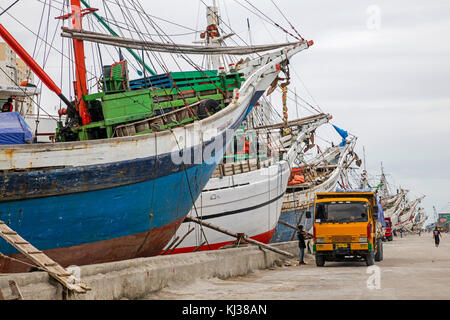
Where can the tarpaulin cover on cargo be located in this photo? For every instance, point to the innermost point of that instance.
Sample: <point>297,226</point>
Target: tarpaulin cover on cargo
<point>14,129</point>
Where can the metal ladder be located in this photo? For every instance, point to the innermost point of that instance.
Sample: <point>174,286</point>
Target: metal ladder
<point>42,260</point>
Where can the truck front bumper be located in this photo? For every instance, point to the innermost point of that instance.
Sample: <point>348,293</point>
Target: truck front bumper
<point>342,248</point>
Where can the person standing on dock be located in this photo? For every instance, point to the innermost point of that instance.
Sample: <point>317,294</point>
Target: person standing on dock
<point>8,106</point>
<point>437,235</point>
<point>301,243</point>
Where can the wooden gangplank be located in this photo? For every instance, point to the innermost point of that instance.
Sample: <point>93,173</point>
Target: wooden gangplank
<point>55,270</point>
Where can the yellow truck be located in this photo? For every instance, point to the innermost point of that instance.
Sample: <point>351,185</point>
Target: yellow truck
<point>346,227</point>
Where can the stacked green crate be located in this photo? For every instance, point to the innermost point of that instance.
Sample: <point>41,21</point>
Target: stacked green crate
<point>134,105</point>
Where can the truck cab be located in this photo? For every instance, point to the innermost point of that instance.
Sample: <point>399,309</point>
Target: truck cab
<point>345,228</point>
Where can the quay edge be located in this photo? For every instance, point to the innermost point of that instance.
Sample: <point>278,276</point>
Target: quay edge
<point>137,278</point>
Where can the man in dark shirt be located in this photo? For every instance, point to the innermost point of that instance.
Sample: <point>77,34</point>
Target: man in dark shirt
<point>436,235</point>
<point>301,243</point>
<point>8,106</point>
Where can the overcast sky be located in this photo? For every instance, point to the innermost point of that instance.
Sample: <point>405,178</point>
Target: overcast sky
<point>381,68</point>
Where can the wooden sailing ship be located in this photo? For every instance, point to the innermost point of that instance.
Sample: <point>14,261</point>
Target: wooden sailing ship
<point>131,159</point>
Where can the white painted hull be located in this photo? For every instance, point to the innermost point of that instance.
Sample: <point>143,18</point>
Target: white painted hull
<point>248,203</point>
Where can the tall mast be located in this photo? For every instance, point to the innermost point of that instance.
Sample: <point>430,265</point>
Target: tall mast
<point>249,32</point>
<point>213,35</point>
<point>80,60</point>
<point>384,187</point>
<point>364,174</point>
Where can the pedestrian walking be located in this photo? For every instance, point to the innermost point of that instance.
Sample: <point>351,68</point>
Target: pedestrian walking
<point>437,235</point>
<point>301,243</point>
<point>401,233</point>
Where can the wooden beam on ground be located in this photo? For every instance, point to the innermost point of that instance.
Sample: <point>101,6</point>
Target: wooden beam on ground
<point>170,245</point>
<point>287,224</point>
<point>237,236</point>
<point>309,235</point>
<point>201,245</point>
<point>182,239</point>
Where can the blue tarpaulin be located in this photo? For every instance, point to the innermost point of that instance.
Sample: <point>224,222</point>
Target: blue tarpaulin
<point>343,134</point>
<point>380,207</point>
<point>14,129</point>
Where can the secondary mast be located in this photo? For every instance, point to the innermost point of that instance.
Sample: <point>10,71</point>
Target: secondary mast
<point>211,37</point>
<point>80,60</point>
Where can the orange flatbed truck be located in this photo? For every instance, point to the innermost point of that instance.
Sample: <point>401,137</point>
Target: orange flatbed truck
<point>346,228</point>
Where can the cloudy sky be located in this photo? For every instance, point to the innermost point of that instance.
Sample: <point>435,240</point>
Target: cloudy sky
<point>382,68</point>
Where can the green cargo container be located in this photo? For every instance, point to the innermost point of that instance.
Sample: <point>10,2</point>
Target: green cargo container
<point>127,106</point>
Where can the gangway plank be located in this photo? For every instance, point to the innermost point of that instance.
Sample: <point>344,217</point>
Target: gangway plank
<point>54,269</point>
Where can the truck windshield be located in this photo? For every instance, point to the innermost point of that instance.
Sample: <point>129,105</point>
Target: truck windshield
<point>337,212</point>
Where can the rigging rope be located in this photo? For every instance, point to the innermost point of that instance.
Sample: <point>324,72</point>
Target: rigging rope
<point>293,28</point>
<point>271,20</point>
<point>8,8</point>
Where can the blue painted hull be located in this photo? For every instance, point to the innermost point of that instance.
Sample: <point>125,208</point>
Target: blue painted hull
<point>69,220</point>
<point>101,207</point>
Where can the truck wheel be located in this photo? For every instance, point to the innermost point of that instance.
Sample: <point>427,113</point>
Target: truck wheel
<point>378,254</point>
<point>320,260</point>
<point>370,259</point>
<point>382,253</point>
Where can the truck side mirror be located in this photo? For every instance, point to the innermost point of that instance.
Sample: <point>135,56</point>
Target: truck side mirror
<point>375,212</point>
<point>308,214</point>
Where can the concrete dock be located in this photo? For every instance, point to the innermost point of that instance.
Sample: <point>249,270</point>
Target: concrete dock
<point>135,279</point>
<point>412,269</point>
